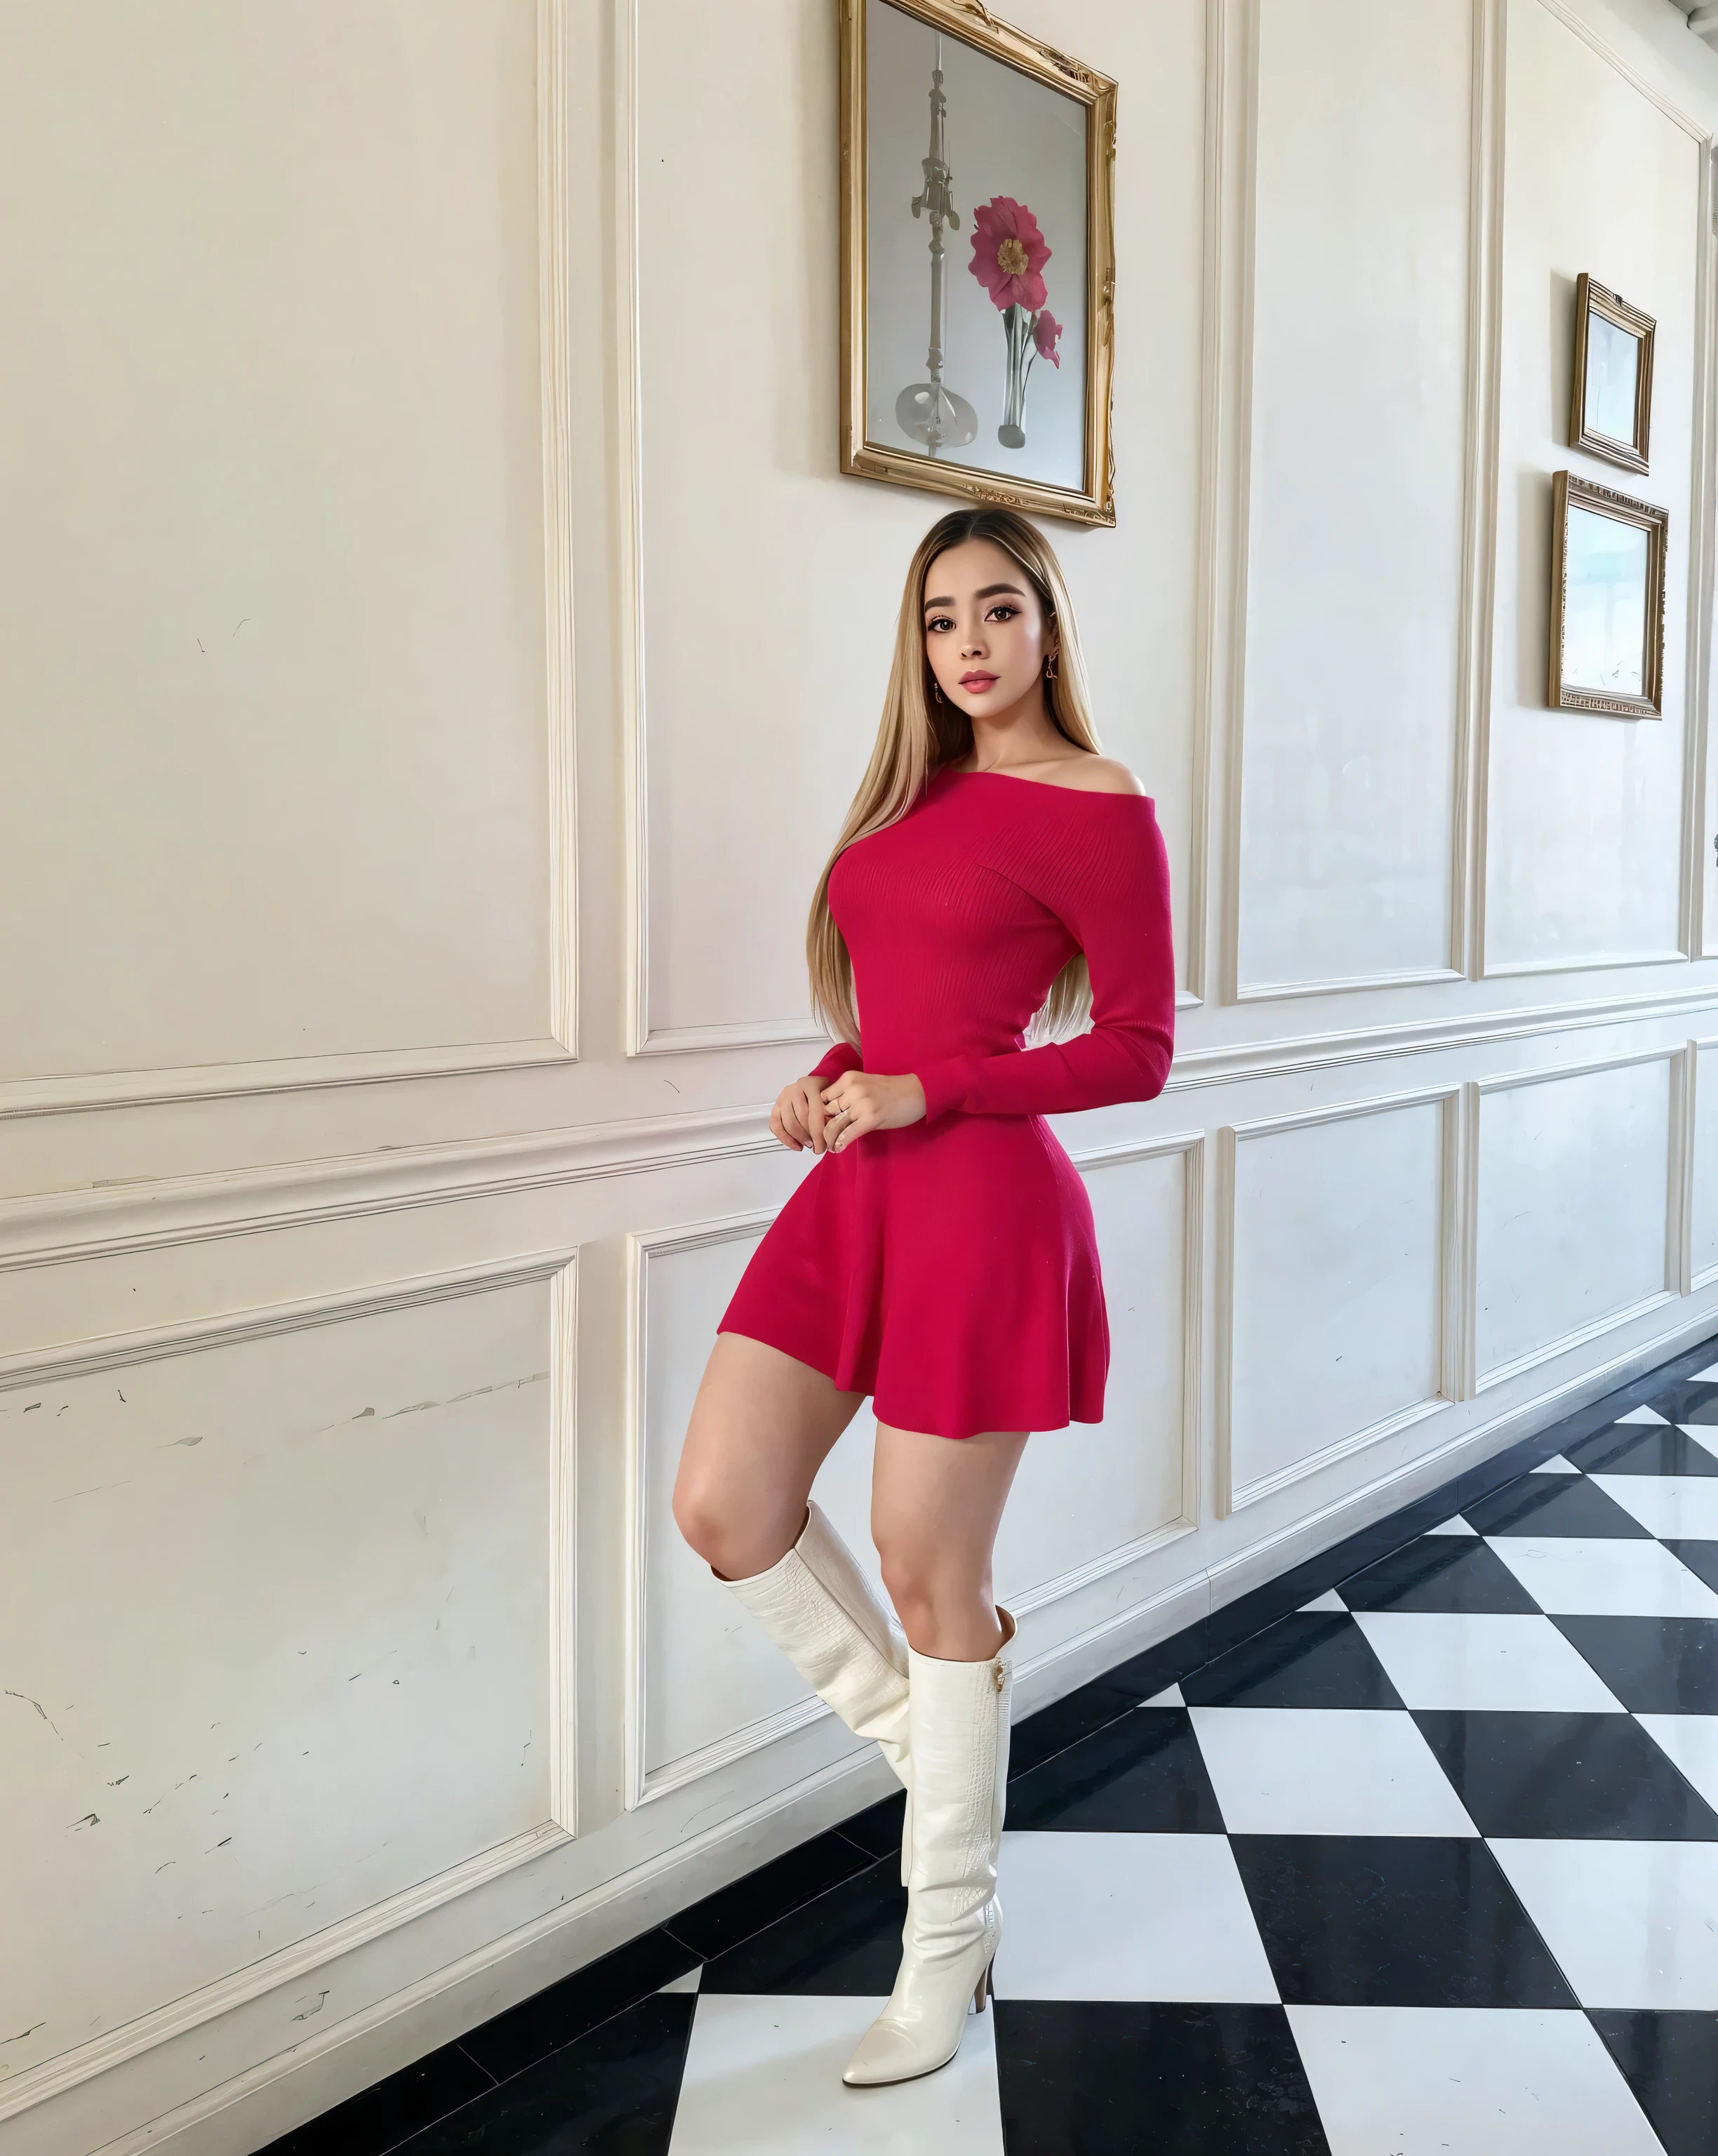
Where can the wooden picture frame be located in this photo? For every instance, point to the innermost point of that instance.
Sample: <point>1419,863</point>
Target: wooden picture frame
<point>1607,600</point>
<point>1611,389</point>
<point>966,383</point>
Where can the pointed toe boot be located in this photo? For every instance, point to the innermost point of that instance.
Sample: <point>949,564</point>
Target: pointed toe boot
<point>958,1715</point>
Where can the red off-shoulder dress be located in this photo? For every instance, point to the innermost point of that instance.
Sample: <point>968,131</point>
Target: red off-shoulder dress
<point>949,1269</point>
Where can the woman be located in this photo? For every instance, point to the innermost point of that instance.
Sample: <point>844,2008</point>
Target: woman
<point>941,1254</point>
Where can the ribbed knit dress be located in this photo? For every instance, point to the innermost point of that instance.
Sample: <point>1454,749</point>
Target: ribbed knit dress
<point>950,1268</point>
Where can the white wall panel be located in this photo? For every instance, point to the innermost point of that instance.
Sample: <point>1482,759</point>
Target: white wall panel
<point>1355,546</point>
<point>1703,1226</point>
<point>1584,818</point>
<point>1087,1492</point>
<point>256,1601</point>
<point>1336,1324</point>
<point>271,585</point>
<point>1573,1178</point>
<point>706,1680</point>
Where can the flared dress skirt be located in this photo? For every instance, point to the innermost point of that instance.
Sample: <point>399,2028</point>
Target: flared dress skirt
<point>949,1269</point>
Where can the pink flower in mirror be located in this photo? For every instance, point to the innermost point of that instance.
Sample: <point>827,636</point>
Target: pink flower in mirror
<point>1008,253</point>
<point>1046,332</point>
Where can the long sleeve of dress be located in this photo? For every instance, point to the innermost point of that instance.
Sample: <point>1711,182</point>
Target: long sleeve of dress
<point>1112,894</point>
<point>842,1056</point>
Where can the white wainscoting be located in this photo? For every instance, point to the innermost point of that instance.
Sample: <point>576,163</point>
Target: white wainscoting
<point>1579,1176</point>
<point>1338,1245</point>
<point>1363,369</point>
<point>345,1527</point>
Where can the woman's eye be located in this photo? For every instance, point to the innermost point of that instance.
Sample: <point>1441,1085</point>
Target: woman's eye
<point>939,621</point>
<point>1004,612</point>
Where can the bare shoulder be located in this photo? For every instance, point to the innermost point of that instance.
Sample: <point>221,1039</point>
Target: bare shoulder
<point>1102,774</point>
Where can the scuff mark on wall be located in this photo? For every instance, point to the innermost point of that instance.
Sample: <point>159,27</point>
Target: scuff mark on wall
<point>310,2011</point>
<point>39,1706</point>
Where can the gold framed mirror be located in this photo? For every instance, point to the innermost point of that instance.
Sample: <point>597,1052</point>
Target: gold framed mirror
<point>1607,601</point>
<point>986,375</point>
<point>1611,393</point>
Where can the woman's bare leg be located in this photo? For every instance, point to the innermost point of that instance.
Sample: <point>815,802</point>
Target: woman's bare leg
<point>935,1504</point>
<point>762,1424</point>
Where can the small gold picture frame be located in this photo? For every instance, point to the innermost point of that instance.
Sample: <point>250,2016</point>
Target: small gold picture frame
<point>988,377</point>
<point>1607,601</point>
<point>1611,393</point>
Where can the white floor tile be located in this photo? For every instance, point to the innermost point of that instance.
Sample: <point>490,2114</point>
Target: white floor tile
<point>1703,1434</point>
<point>689,1982</point>
<point>1127,1916</point>
<point>763,2074</point>
<point>1427,2081</point>
<point>1556,1464</point>
<point>1512,1665</point>
<point>1642,1414</point>
<point>1706,1377</point>
<point>1329,1600</point>
<point>1455,1525</point>
<point>1325,1770</point>
<point>1631,1923</point>
<point>1673,1505</point>
<point>1169,1697</point>
<point>1689,1741</point>
<point>1604,1575</point>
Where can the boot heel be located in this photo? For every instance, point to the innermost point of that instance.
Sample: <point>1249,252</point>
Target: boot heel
<point>984,1990</point>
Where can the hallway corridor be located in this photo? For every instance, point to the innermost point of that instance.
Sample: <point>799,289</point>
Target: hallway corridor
<point>1413,1851</point>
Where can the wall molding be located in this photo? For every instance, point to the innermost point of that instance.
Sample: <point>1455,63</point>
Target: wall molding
<point>67,1226</point>
<point>72,1093</point>
<point>645,1785</point>
<point>1470,826</point>
<point>1232,1496</point>
<point>1678,1170</point>
<point>1478,522</point>
<point>1689,1103</point>
<point>290,1964</point>
<point>555,283</point>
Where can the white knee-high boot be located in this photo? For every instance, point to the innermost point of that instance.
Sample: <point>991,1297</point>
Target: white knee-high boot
<point>818,1607</point>
<point>958,1719</point>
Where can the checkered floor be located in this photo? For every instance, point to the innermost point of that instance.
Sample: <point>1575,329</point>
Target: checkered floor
<point>1429,1865</point>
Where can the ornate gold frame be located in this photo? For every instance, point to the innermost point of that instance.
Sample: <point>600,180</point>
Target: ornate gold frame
<point>1567,488</point>
<point>973,23</point>
<point>1591,299</point>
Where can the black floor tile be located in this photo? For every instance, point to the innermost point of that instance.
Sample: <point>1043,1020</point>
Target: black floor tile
<point>722,1919</point>
<point>1456,1574</point>
<point>1552,1505</point>
<point>878,1828</point>
<point>1653,1665</point>
<point>1701,1559</point>
<point>390,2111</point>
<point>612,2093</point>
<point>1143,1775</point>
<point>1393,1920</point>
<point>1642,1449</point>
<point>560,2015</point>
<point>1670,2061</point>
<point>1079,2079</point>
<point>1686,1402</point>
<point>1312,1659</point>
<point>1145,1674</point>
<point>1054,1728</point>
<point>1578,1776</point>
<point>845,1943</point>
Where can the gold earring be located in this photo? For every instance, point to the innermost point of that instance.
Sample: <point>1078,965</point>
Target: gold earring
<point>937,690</point>
<point>1049,668</point>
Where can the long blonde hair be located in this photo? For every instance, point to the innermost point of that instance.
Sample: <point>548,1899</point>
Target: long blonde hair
<point>919,734</point>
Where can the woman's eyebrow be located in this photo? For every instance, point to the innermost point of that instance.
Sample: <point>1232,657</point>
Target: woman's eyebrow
<point>989,591</point>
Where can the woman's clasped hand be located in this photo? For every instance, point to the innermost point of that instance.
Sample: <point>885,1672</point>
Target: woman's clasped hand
<point>828,1117</point>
